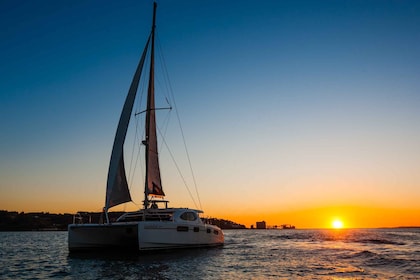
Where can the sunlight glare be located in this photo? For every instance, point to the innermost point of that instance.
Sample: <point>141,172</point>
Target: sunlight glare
<point>337,224</point>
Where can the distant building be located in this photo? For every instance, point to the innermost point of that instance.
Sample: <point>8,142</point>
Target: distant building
<point>286,226</point>
<point>261,225</point>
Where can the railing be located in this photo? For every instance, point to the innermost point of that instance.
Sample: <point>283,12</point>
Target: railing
<point>149,215</point>
<point>79,218</point>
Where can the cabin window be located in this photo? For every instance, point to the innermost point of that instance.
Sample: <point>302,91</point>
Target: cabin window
<point>189,216</point>
<point>182,228</point>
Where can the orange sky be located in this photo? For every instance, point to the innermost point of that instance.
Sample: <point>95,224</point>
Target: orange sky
<point>315,217</point>
<point>322,217</point>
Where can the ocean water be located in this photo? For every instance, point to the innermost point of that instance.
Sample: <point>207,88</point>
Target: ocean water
<point>247,254</point>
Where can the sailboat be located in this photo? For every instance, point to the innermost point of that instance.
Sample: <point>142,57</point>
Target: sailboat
<point>155,226</point>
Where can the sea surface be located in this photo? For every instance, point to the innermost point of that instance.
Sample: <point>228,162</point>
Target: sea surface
<point>247,254</point>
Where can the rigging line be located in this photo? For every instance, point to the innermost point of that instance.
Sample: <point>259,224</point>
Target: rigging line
<point>164,125</point>
<point>138,142</point>
<point>165,74</point>
<point>132,169</point>
<point>161,83</point>
<point>172,96</point>
<point>178,169</point>
<point>189,159</point>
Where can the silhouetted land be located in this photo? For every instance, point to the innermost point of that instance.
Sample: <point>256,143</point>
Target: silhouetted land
<point>14,221</point>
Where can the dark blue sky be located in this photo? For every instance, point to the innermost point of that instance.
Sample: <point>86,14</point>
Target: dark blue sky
<point>305,95</point>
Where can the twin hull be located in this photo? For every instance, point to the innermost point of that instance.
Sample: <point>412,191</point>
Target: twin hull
<point>143,235</point>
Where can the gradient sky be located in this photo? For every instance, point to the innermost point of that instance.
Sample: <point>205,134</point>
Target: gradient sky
<point>293,111</point>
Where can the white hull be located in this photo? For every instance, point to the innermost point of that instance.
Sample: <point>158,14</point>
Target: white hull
<point>166,233</point>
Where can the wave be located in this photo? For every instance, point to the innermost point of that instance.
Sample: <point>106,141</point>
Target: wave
<point>348,237</point>
<point>364,254</point>
<point>322,236</point>
<point>385,262</point>
<point>378,241</point>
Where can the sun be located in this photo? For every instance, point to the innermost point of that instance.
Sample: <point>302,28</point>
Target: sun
<point>337,224</point>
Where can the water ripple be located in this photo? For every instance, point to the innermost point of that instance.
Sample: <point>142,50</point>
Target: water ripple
<point>247,254</point>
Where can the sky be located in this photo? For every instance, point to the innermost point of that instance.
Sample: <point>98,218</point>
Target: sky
<point>294,112</point>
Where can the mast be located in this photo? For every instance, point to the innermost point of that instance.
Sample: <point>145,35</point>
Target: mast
<point>153,185</point>
<point>117,190</point>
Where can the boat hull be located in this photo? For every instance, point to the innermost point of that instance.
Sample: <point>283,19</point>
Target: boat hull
<point>142,236</point>
<point>82,237</point>
<point>170,235</point>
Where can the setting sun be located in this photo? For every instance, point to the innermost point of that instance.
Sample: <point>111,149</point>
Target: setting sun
<point>337,224</point>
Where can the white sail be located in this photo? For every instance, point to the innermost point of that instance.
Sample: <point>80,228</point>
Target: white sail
<point>117,191</point>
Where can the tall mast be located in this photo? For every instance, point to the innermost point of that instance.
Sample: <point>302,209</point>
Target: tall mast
<point>117,191</point>
<point>153,184</point>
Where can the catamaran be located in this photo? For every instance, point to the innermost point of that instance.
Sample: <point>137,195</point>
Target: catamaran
<point>155,226</point>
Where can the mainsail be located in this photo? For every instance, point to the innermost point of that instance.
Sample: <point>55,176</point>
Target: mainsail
<point>117,187</point>
<point>153,181</point>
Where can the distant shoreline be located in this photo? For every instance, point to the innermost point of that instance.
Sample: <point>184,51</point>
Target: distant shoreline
<point>44,221</point>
